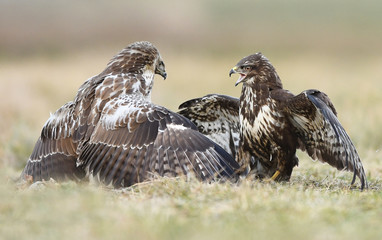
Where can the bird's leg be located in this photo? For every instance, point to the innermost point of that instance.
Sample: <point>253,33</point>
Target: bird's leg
<point>280,167</point>
<point>275,175</point>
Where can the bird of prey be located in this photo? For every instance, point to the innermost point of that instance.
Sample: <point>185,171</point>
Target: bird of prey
<point>274,123</point>
<point>264,128</point>
<point>217,117</point>
<point>113,132</point>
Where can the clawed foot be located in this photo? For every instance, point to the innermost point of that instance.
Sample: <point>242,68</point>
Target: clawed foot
<point>273,178</point>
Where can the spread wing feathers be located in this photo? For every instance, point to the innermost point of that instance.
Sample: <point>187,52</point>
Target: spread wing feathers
<point>217,117</point>
<point>134,140</point>
<point>321,134</point>
<point>56,151</point>
<point>54,154</point>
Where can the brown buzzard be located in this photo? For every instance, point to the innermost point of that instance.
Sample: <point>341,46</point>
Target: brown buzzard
<point>217,117</point>
<point>113,132</point>
<point>264,128</point>
<point>274,123</point>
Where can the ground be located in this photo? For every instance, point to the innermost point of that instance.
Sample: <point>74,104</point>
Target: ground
<point>318,202</point>
<point>49,48</point>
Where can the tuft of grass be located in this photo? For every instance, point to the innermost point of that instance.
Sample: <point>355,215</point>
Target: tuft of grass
<point>173,208</point>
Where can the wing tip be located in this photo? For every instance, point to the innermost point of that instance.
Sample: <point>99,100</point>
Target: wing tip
<point>228,161</point>
<point>363,179</point>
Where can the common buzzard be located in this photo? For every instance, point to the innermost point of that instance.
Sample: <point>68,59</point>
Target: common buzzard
<point>217,117</point>
<point>113,132</point>
<point>274,123</point>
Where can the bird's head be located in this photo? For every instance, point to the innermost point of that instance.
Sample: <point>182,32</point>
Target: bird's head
<point>255,68</point>
<point>138,57</point>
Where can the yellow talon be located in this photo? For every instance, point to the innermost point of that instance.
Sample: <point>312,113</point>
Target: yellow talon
<point>277,173</point>
<point>273,178</point>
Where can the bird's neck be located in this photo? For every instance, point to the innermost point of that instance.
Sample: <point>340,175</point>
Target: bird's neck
<point>146,83</point>
<point>113,86</point>
<point>136,84</point>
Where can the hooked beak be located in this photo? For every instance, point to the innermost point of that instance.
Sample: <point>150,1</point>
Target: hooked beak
<point>241,78</point>
<point>161,72</point>
<point>233,70</point>
<point>164,75</point>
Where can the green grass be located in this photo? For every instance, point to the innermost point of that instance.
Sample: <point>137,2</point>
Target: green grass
<point>334,46</point>
<point>318,202</point>
<point>179,209</point>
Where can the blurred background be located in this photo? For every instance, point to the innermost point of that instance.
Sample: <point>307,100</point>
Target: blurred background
<point>49,48</point>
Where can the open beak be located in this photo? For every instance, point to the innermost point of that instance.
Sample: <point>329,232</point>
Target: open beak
<point>241,78</point>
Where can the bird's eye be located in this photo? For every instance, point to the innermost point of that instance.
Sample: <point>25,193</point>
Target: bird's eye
<point>247,68</point>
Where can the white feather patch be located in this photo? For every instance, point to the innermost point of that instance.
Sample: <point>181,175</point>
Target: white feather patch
<point>111,118</point>
<point>176,127</point>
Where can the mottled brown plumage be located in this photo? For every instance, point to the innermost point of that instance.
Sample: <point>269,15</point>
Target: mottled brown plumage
<point>274,123</point>
<point>217,117</point>
<point>113,132</point>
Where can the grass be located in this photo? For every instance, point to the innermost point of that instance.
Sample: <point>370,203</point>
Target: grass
<point>317,203</point>
<point>46,55</point>
<point>175,208</point>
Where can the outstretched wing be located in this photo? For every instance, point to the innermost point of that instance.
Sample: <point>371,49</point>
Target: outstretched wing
<point>322,135</point>
<point>54,155</point>
<point>136,139</point>
<point>217,117</point>
<point>56,151</point>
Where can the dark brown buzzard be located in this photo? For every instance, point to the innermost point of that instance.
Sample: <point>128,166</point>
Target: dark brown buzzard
<point>114,133</point>
<point>217,117</point>
<point>264,128</point>
<point>274,123</point>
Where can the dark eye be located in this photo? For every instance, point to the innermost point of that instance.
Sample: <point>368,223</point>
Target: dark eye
<point>247,68</point>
